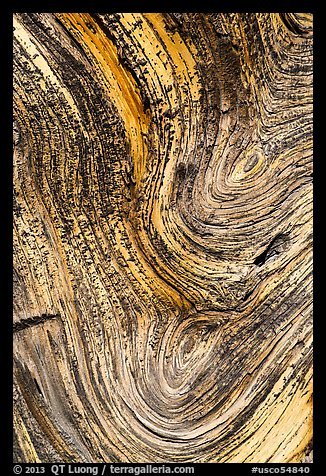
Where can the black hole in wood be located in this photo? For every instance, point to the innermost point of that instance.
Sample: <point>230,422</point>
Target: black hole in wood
<point>272,248</point>
<point>38,388</point>
<point>248,294</point>
<point>260,260</point>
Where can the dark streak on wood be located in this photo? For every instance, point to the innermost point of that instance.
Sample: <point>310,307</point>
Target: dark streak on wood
<point>33,321</point>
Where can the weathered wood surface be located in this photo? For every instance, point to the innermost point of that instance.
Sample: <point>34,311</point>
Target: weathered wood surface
<point>162,237</point>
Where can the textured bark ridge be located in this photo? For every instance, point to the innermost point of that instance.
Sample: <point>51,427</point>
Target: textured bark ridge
<point>162,237</point>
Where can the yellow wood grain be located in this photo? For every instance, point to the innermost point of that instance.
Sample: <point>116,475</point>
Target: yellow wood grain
<point>163,237</point>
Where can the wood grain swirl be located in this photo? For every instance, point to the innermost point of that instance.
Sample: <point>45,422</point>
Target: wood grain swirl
<point>162,237</point>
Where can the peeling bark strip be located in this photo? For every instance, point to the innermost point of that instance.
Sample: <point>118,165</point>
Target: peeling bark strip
<point>163,208</point>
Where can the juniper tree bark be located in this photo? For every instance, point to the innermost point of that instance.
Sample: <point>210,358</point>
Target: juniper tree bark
<point>162,237</point>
